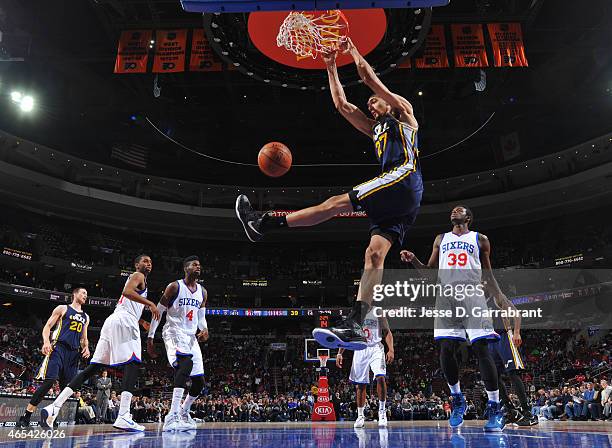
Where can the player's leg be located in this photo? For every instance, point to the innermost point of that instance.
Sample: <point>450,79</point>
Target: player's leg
<point>183,367</point>
<point>257,224</point>
<point>450,368</point>
<point>360,376</point>
<point>488,372</point>
<point>349,333</point>
<point>381,391</point>
<point>360,392</point>
<point>197,384</point>
<point>48,372</point>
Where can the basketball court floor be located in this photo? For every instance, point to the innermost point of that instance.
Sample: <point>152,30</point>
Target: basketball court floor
<point>328,435</point>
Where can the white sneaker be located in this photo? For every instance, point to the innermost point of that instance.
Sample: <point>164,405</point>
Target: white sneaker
<point>126,423</point>
<point>360,422</point>
<point>187,422</point>
<point>171,422</point>
<point>47,416</point>
<point>382,420</point>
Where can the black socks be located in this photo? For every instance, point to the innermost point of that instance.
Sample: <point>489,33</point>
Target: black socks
<point>269,222</point>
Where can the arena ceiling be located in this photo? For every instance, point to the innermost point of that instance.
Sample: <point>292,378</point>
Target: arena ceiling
<point>69,46</point>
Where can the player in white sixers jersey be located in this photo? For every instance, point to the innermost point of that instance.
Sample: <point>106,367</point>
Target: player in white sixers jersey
<point>185,303</point>
<point>372,358</point>
<point>119,345</point>
<point>462,259</point>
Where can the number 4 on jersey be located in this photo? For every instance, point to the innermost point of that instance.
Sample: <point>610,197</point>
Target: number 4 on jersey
<point>190,315</point>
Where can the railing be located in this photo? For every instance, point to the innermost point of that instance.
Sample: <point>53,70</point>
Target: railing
<point>30,155</point>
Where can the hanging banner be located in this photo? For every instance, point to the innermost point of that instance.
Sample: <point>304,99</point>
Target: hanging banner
<point>133,51</point>
<point>170,50</point>
<point>203,59</point>
<point>507,43</point>
<point>469,45</point>
<point>434,55</point>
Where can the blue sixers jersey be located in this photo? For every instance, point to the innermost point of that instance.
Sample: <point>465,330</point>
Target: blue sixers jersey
<point>70,328</point>
<point>395,144</point>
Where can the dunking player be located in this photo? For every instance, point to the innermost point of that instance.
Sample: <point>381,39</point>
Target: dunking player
<point>462,259</point>
<point>391,200</point>
<point>508,360</point>
<point>185,301</point>
<point>119,345</point>
<point>372,358</point>
<point>61,350</point>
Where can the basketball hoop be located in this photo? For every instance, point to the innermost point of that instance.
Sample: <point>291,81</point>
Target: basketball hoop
<point>308,33</point>
<point>323,355</point>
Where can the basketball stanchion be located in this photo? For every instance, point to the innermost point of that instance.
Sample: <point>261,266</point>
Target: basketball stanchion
<point>323,408</point>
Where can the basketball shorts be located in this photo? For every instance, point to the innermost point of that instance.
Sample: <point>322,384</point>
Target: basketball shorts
<point>465,321</point>
<point>391,205</point>
<point>505,354</point>
<point>119,341</point>
<point>180,344</point>
<point>372,358</point>
<point>61,364</point>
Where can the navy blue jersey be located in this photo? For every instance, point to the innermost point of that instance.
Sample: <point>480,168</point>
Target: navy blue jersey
<point>69,329</point>
<point>395,144</point>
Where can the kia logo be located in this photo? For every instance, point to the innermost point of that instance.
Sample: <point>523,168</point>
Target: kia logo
<point>323,390</point>
<point>323,410</point>
<point>323,399</point>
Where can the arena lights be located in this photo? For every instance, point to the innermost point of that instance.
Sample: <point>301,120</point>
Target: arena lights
<point>25,102</point>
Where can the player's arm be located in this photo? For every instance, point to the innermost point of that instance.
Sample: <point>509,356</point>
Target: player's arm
<point>202,324</point>
<point>370,79</point>
<point>170,291</point>
<point>504,303</point>
<point>339,357</point>
<point>388,335</point>
<point>410,257</point>
<point>131,292</point>
<point>491,284</point>
<point>352,113</point>
<point>85,341</point>
<point>56,315</point>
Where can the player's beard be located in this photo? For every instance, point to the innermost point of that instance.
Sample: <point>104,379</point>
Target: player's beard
<point>458,221</point>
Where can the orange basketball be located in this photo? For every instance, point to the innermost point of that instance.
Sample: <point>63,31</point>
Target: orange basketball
<point>274,159</point>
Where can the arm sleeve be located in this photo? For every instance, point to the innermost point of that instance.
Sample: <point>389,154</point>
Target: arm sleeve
<point>202,324</point>
<point>155,323</point>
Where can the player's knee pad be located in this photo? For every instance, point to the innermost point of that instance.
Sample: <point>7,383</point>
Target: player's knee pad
<point>184,365</point>
<point>197,384</point>
<point>41,392</point>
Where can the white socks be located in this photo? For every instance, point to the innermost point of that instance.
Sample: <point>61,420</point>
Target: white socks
<point>126,401</point>
<point>177,396</point>
<point>65,394</point>
<point>186,406</point>
<point>360,411</point>
<point>455,388</point>
<point>381,406</point>
<point>493,395</point>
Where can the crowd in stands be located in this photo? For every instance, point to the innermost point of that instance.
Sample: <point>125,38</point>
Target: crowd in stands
<point>246,381</point>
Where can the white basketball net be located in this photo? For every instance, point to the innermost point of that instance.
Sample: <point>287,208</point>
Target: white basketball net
<point>307,36</point>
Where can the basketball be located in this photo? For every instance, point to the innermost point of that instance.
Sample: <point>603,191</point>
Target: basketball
<point>274,159</point>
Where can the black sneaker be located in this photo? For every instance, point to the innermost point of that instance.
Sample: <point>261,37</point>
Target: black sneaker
<point>250,219</point>
<point>23,422</point>
<point>512,415</point>
<point>526,418</point>
<point>348,335</point>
